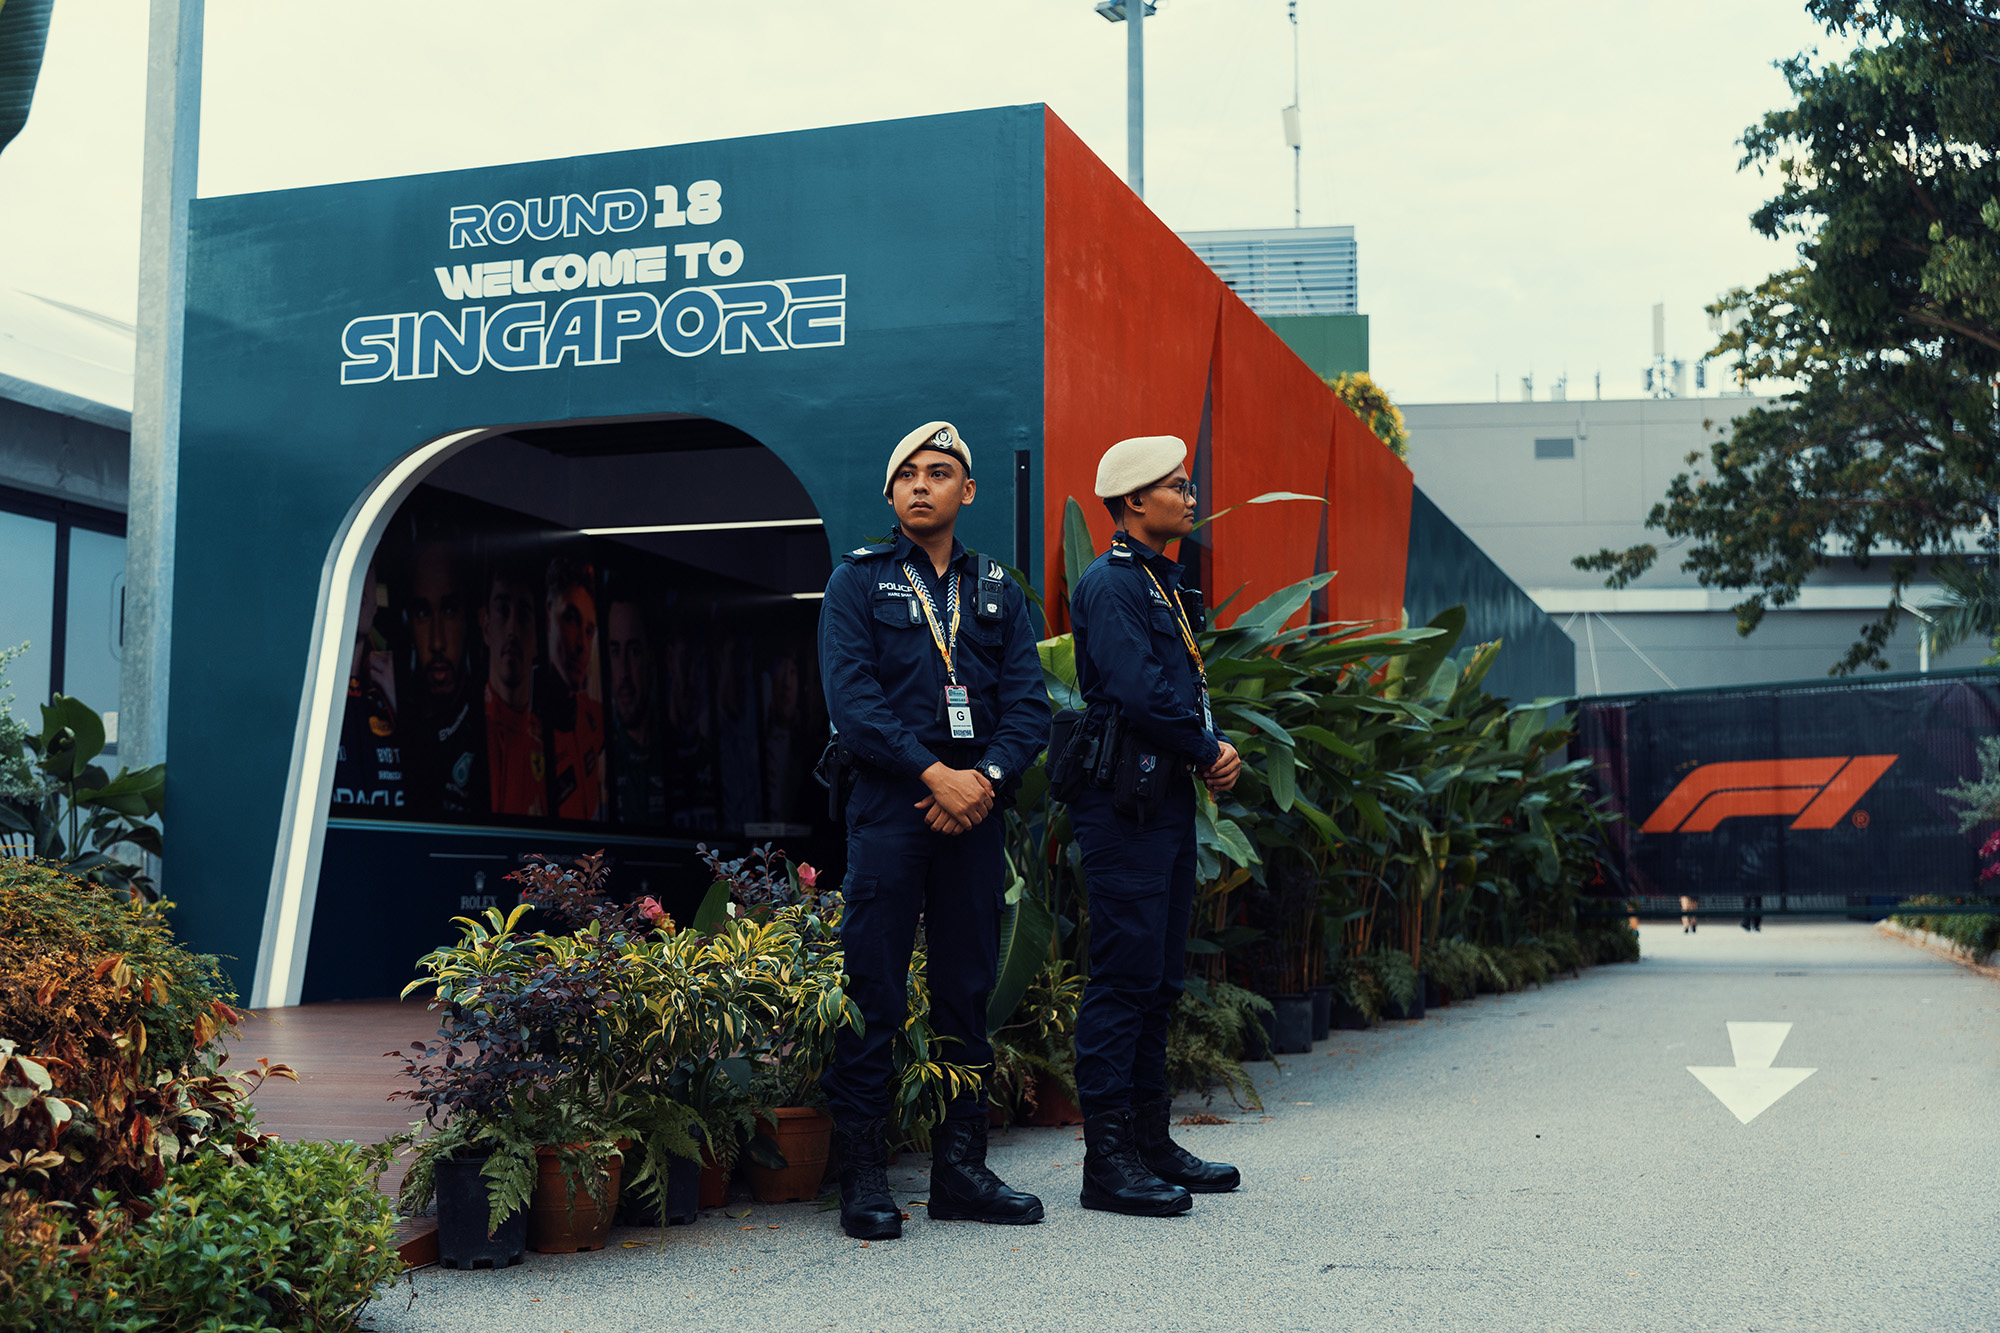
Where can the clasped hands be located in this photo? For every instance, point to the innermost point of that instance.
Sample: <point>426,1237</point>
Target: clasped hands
<point>960,798</point>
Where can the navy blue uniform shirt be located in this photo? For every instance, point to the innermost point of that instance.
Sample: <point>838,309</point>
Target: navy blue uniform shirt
<point>884,677</point>
<point>1129,650</point>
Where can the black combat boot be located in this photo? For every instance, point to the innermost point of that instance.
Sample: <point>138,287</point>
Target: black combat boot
<point>963,1189</point>
<point>1151,1117</point>
<point>867,1210</point>
<point>1115,1180</point>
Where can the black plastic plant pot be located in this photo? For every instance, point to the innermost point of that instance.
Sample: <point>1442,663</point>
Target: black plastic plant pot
<point>1322,998</point>
<point>1413,1010</point>
<point>1292,1024</point>
<point>463,1212</point>
<point>677,1205</point>
<point>1346,1017</point>
<point>1433,993</point>
<point>1257,1037</point>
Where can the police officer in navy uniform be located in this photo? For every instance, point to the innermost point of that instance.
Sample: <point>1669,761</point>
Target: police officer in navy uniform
<point>935,692</point>
<point>1138,661</point>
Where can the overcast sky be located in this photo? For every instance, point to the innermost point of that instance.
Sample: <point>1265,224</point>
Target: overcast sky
<point>1525,178</point>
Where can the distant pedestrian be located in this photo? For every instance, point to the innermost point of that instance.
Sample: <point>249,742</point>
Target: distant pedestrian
<point>1689,906</point>
<point>1753,911</point>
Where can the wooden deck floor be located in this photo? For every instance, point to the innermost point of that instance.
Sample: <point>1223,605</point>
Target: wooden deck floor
<point>344,1081</point>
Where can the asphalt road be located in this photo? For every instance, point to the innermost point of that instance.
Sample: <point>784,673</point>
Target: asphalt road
<point>1535,1161</point>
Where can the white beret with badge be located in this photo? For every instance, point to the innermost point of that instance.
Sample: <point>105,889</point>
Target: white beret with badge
<point>1137,463</point>
<point>940,435</point>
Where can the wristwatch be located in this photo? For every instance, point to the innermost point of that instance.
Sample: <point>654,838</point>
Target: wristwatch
<point>994,773</point>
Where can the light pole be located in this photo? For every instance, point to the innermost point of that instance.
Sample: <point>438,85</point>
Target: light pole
<point>1115,11</point>
<point>1923,635</point>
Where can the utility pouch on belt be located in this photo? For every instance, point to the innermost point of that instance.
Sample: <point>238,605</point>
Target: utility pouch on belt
<point>1106,732</point>
<point>1065,761</point>
<point>836,771</point>
<point>1140,778</point>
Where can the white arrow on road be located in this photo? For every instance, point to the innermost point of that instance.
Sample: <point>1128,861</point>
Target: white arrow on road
<point>1751,1087</point>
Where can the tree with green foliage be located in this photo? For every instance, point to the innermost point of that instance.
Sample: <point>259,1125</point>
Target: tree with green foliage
<point>1889,171</point>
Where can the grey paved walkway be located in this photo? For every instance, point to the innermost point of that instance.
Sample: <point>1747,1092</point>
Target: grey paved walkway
<point>1538,1161</point>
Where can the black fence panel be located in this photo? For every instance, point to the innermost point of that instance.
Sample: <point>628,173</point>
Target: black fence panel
<point>1820,789</point>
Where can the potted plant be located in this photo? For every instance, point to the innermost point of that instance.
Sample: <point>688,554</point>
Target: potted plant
<point>789,1155</point>
<point>514,1086</point>
<point>478,1162</point>
<point>1034,1055</point>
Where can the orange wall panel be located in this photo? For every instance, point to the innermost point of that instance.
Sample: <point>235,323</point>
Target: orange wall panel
<point>1273,423</point>
<point>1370,524</point>
<point>1128,326</point>
<point>1136,331</point>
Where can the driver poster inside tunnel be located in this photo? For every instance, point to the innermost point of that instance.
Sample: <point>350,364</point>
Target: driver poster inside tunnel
<point>510,673</point>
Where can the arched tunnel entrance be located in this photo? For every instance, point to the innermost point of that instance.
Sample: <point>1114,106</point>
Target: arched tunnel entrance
<point>591,636</point>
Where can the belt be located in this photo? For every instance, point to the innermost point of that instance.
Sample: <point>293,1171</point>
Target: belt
<point>958,756</point>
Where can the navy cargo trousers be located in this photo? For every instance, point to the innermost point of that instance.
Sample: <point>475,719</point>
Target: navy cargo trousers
<point>897,869</point>
<point>1141,881</point>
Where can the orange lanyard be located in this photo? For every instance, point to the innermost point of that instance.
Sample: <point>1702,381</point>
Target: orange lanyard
<point>1187,631</point>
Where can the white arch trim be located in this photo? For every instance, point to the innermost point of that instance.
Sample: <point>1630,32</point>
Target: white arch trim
<point>288,911</point>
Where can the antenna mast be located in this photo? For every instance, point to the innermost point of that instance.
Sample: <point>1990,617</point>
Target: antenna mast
<point>1292,136</point>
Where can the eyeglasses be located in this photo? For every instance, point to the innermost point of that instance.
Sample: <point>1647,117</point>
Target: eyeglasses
<point>1184,489</point>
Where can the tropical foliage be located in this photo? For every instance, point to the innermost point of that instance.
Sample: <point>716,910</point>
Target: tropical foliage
<point>614,1023</point>
<point>1389,809</point>
<point>111,1058</point>
<point>24,35</point>
<point>53,791</point>
<point>136,1191</point>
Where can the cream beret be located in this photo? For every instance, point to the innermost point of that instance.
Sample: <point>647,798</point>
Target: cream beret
<point>1131,464</point>
<point>931,435</point>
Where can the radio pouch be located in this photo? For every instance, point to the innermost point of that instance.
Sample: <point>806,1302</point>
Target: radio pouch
<point>1141,778</point>
<point>1065,761</point>
<point>835,771</point>
<point>1105,731</point>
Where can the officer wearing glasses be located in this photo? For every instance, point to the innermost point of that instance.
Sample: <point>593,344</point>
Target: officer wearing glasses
<point>936,696</point>
<point>1140,669</point>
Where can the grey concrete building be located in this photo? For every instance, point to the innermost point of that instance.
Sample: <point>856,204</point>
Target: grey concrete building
<point>1537,483</point>
<point>65,448</point>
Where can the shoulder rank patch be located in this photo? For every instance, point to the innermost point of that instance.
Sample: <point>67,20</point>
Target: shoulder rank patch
<point>865,552</point>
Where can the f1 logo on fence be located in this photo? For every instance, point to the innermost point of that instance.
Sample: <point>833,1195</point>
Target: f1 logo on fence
<point>1819,791</point>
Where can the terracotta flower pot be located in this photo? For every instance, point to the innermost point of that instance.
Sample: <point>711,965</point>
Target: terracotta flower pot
<point>553,1226</point>
<point>1051,1106</point>
<point>805,1137</point>
<point>714,1184</point>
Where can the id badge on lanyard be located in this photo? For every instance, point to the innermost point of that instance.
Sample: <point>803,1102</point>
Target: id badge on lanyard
<point>957,698</point>
<point>958,712</point>
<point>1207,715</point>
